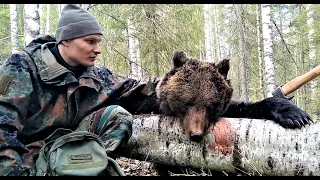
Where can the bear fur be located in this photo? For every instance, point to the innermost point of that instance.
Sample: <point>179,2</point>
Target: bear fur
<point>195,91</point>
<point>198,92</point>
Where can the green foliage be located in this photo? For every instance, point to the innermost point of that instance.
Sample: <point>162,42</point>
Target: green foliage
<point>5,32</point>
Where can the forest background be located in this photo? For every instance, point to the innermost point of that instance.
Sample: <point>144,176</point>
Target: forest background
<point>268,44</point>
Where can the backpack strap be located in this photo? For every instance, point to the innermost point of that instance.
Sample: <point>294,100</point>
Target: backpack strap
<point>56,134</point>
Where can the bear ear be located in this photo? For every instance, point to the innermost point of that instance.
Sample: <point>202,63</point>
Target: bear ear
<point>179,58</point>
<point>223,67</point>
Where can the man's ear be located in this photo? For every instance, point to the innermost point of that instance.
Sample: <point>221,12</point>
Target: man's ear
<point>223,67</point>
<point>65,42</point>
<point>179,58</point>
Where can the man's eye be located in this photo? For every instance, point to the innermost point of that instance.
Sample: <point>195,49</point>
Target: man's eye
<point>90,41</point>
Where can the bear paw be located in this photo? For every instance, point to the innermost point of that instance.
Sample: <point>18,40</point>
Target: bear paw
<point>287,114</point>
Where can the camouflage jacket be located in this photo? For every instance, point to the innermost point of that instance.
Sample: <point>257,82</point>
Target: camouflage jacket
<point>38,95</point>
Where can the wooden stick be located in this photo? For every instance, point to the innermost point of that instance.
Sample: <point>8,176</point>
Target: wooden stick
<point>299,81</point>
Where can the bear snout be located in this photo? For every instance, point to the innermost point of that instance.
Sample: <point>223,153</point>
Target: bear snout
<point>195,123</point>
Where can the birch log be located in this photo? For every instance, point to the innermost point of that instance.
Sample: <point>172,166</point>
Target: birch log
<point>254,146</point>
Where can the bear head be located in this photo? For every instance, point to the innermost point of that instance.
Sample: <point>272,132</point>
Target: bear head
<point>195,91</point>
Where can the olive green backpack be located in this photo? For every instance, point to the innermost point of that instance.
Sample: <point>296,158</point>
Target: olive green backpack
<point>75,153</point>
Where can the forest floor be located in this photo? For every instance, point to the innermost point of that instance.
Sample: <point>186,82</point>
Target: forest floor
<point>133,167</point>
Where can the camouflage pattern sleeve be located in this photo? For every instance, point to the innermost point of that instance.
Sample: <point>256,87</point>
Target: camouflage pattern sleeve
<point>15,89</point>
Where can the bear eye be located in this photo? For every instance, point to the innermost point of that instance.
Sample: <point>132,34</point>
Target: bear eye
<point>190,103</point>
<point>213,111</point>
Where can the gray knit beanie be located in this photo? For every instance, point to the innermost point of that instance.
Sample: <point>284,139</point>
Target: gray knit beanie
<point>76,22</point>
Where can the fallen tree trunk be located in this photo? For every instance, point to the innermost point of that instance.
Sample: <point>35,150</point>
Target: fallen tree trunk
<point>257,147</point>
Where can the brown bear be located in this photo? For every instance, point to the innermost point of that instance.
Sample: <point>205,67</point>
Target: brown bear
<point>196,91</point>
<point>199,92</point>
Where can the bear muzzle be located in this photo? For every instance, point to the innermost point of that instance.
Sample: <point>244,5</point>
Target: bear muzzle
<point>195,123</point>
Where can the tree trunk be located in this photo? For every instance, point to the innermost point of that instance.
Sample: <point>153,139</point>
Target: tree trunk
<point>216,34</point>
<point>260,50</point>
<point>59,8</point>
<point>32,22</point>
<point>40,16</point>
<point>312,60</point>
<point>267,46</point>
<point>134,52</point>
<point>207,8</point>
<point>48,19</point>
<point>304,89</point>
<point>252,146</point>
<point>297,73</point>
<point>155,40</point>
<point>243,57</point>
<point>14,28</point>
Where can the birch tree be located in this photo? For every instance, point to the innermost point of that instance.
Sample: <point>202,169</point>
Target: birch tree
<point>208,40</point>
<point>14,27</point>
<point>217,47</point>
<point>40,16</point>
<point>32,22</point>
<point>260,50</point>
<point>48,19</point>
<point>134,51</point>
<point>267,49</point>
<point>59,8</point>
<point>243,57</point>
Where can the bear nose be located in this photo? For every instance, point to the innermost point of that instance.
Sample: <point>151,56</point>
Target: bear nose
<point>196,136</point>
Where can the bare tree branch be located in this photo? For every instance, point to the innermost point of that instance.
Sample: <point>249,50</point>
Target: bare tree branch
<point>285,44</point>
<point>125,57</point>
<point>8,37</point>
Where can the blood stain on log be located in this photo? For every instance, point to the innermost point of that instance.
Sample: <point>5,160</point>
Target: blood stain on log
<point>222,132</point>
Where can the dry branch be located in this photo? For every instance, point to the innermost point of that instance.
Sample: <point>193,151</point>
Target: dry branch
<point>257,147</point>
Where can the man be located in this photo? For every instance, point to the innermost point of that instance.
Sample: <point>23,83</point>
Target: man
<point>55,84</point>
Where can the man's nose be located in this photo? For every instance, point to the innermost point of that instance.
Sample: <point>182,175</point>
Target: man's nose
<point>97,49</point>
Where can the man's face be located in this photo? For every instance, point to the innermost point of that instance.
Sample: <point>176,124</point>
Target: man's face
<point>83,50</point>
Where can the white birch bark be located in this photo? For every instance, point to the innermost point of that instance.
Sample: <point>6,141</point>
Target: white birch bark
<point>48,19</point>
<point>201,53</point>
<point>268,51</point>
<point>40,16</point>
<point>207,8</point>
<point>32,22</point>
<point>254,146</point>
<point>59,8</point>
<point>216,33</point>
<point>14,28</point>
<point>134,51</point>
